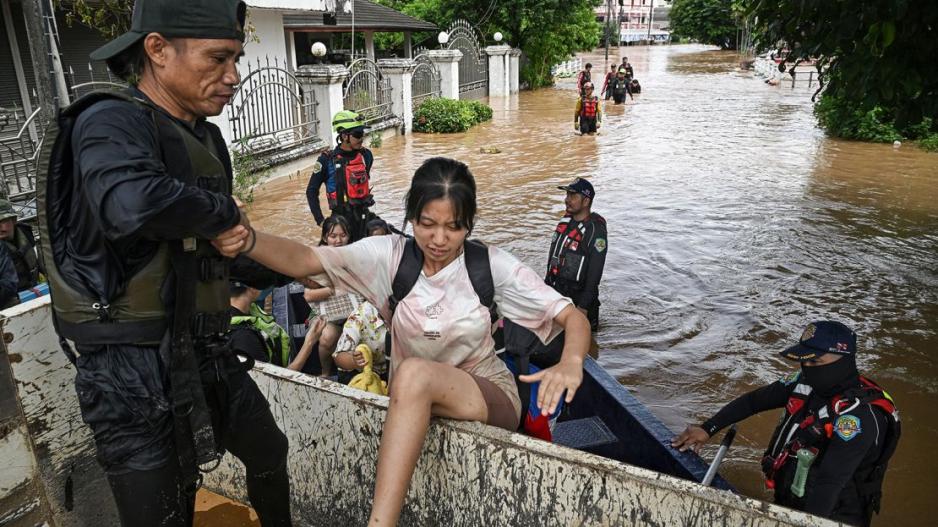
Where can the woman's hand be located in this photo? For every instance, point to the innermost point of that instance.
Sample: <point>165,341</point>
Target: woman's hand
<point>229,243</point>
<point>693,437</point>
<point>566,375</point>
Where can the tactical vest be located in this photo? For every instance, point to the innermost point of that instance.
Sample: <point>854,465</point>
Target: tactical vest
<point>590,106</point>
<point>353,184</point>
<point>276,340</point>
<point>569,252</point>
<point>801,428</point>
<point>23,252</point>
<point>137,313</point>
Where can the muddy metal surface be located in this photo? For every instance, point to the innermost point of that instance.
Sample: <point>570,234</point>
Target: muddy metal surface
<point>733,222</point>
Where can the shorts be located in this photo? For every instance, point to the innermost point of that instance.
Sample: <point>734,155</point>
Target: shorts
<point>587,125</point>
<point>501,412</point>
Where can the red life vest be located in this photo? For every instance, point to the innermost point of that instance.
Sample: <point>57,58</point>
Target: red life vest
<point>590,106</point>
<point>801,428</point>
<point>352,181</point>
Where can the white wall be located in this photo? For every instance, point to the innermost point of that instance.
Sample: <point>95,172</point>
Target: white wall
<point>268,26</point>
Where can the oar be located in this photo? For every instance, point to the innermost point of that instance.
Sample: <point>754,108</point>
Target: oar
<point>721,453</point>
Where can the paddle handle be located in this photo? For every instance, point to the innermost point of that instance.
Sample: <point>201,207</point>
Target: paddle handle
<point>721,453</point>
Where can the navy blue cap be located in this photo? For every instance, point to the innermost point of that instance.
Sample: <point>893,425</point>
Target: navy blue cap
<point>580,186</point>
<point>822,337</point>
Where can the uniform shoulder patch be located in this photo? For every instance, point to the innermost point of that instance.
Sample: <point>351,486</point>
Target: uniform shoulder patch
<point>600,244</point>
<point>847,427</point>
<point>791,378</point>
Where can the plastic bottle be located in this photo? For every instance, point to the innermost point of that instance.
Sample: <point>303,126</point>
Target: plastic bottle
<point>805,459</point>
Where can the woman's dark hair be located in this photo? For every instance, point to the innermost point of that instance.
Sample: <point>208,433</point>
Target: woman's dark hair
<point>443,178</point>
<point>332,222</point>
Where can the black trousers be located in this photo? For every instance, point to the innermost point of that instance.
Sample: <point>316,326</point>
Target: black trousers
<point>358,218</point>
<point>124,397</point>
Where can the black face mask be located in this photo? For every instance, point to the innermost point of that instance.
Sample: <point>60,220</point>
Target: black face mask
<point>829,379</point>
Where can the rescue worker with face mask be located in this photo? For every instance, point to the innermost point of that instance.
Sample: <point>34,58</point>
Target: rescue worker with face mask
<point>621,87</point>
<point>346,173</point>
<point>838,429</point>
<point>578,251</point>
<point>131,187</point>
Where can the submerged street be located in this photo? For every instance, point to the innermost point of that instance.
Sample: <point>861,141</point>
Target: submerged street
<point>733,221</point>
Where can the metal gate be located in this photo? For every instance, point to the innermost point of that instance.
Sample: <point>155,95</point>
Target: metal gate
<point>425,83</point>
<point>271,115</point>
<point>474,64</point>
<point>368,93</point>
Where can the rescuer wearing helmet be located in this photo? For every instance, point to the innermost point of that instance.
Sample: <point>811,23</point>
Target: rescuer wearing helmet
<point>131,187</point>
<point>588,116</point>
<point>346,172</point>
<point>829,453</point>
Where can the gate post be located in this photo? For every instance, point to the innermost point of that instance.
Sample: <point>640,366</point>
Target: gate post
<point>324,81</point>
<point>514,61</point>
<point>399,73</point>
<point>447,62</point>
<point>499,70</point>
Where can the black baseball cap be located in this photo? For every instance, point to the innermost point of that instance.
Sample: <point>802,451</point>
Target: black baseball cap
<point>580,186</point>
<point>222,19</point>
<point>820,338</point>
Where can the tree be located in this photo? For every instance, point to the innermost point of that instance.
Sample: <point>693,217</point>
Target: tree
<point>547,31</point>
<point>110,18</point>
<point>875,59</point>
<point>707,21</point>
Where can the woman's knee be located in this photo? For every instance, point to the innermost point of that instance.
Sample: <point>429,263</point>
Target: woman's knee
<point>412,378</point>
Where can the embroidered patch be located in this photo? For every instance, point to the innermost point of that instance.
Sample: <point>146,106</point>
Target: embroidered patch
<point>847,427</point>
<point>791,378</point>
<point>600,245</point>
<point>808,332</point>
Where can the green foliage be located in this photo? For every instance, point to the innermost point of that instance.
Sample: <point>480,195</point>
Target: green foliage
<point>438,115</point>
<point>375,139</point>
<point>546,31</point>
<point>706,21</point>
<point>876,59</point>
<point>929,142</point>
<point>110,18</point>
<point>248,172</point>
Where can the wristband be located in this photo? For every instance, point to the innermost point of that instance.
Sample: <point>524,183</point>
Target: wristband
<point>253,241</point>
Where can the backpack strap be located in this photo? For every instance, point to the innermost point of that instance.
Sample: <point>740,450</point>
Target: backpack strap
<point>408,271</point>
<point>480,274</point>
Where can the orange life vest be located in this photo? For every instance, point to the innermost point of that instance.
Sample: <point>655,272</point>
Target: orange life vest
<point>590,107</point>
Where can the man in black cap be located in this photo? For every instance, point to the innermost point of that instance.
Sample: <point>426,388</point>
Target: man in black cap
<point>578,251</point>
<point>134,185</point>
<point>829,453</point>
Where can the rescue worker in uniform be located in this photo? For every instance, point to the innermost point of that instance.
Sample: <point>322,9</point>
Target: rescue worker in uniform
<point>606,93</point>
<point>588,116</point>
<point>627,66</point>
<point>132,187</point>
<point>838,429</point>
<point>255,333</point>
<point>19,239</point>
<point>346,173</point>
<point>583,77</point>
<point>578,251</point>
<point>620,87</point>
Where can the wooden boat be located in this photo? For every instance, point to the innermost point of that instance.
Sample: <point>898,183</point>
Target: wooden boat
<point>468,473</point>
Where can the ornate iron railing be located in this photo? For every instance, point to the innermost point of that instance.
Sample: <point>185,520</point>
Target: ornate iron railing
<point>473,66</point>
<point>425,82</point>
<point>271,115</point>
<point>368,93</point>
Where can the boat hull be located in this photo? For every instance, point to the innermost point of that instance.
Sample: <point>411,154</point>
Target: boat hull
<point>468,474</point>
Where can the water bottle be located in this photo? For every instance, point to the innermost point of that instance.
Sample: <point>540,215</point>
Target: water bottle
<point>805,459</point>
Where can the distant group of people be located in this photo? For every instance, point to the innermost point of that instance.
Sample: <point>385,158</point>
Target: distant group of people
<point>156,270</point>
<point>619,83</point>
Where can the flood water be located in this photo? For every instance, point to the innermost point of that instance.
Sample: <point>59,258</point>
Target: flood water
<point>733,221</point>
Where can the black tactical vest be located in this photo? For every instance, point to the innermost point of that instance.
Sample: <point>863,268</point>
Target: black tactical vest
<point>138,314</point>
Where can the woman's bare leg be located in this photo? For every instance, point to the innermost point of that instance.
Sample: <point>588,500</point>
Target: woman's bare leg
<point>420,389</point>
<point>327,342</point>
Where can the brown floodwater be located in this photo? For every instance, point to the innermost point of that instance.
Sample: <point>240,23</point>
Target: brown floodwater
<point>733,221</point>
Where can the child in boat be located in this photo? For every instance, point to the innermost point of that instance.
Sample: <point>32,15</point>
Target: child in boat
<point>441,333</point>
<point>364,326</point>
<point>335,233</point>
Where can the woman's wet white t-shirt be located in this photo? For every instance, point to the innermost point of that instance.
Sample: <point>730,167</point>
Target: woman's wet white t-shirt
<point>442,318</point>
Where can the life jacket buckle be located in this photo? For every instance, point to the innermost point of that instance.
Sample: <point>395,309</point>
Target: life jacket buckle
<point>103,310</point>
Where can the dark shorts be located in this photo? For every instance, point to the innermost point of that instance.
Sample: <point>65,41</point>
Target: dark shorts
<point>587,125</point>
<point>501,412</point>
